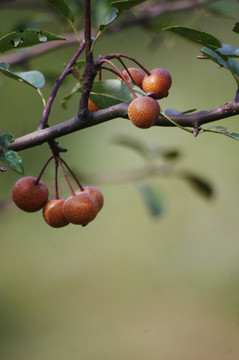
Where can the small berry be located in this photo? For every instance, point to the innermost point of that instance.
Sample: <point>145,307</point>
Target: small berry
<point>92,106</point>
<point>95,192</point>
<point>143,112</point>
<point>53,213</point>
<point>137,76</point>
<point>158,82</point>
<point>80,209</point>
<point>29,195</point>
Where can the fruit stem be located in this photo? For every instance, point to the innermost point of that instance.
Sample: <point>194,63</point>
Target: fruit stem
<point>118,56</point>
<point>56,178</point>
<point>121,75</point>
<point>73,175</point>
<point>43,169</point>
<point>65,175</point>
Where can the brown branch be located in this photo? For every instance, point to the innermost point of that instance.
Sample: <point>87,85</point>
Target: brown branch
<point>194,120</point>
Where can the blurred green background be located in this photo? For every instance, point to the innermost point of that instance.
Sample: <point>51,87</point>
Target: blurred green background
<point>127,286</point>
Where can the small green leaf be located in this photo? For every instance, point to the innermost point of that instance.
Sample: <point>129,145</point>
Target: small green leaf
<point>229,50</point>
<point>126,5</point>
<point>63,8</point>
<point>12,160</point>
<point>112,16</point>
<point>202,186</point>
<point>118,8</point>
<point>33,78</point>
<point>113,91</point>
<point>212,55</point>
<point>64,101</point>
<point>107,93</point>
<point>176,112</point>
<point>222,60</point>
<point>151,199</point>
<point>223,131</point>
<point>26,38</point>
<point>197,36</point>
<point>236,28</point>
<point>5,139</point>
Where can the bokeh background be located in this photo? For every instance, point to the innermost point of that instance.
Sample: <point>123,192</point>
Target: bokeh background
<point>127,286</point>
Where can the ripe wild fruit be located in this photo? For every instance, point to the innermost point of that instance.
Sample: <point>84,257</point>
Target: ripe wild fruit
<point>143,112</point>
<point>158,82</point>
<point>30,195</point>
<point>53,213</point>
<point>95,192</point>
<point>80,209</point>
<point>137,76</point>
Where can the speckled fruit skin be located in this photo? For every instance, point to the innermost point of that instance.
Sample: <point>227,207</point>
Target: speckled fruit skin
<point>28,195</point>
<point>53,213</point>
<point>143,112</point>
<point>96,193</point>
<point>92,106</point>
<point>159,82</point>
<point>80,209</point>
<point>136,74</point>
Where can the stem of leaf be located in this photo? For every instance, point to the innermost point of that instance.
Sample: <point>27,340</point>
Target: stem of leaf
<point>42,97</point>
<point>75,31</point>
<point>174,123</point>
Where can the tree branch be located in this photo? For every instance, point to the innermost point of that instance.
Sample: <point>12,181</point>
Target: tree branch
<point>194,120</point>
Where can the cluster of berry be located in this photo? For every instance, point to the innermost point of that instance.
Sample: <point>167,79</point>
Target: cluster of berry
<point>31,194</point>
<point>144,110</point>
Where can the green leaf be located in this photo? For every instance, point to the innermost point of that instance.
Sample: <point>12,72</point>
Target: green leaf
<point>64,101</point>
<point>212,55</point>
<point>127,4</point>
<point>223,131</point>
<point>226,8</point>
<point>151,199</point>
<point>63,8</point>
<point>111,92</point>
<point>118,8</point>
<point>222,60</point>
<point>112,16</point>
<point>5,139</point>
<point>12,160</point>
<point>176,112</point>
<point>26,38</point>
<point>202,186</point>
<point>197,36</point>
<point>33,78</point>
<point>236,28</point>
<point>229,50</point>
<point>107,93</point>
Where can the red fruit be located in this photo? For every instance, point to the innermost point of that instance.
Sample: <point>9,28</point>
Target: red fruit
<point>80,209</point>
<point>53,213</point>
<point>159,82</point>
<point>29,195</point>
<point>137,76</point>
<point>143,112</point>
<point>95,192</point>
